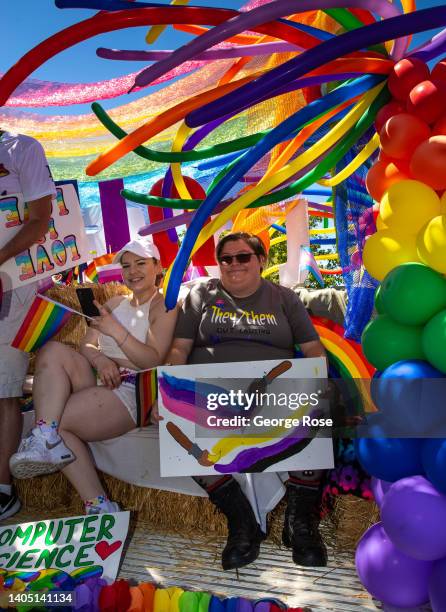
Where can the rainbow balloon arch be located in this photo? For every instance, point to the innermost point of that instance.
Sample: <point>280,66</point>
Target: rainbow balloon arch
<point>287,95</point>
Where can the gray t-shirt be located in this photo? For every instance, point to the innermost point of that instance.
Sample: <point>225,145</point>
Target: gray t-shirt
<point>265,325</point>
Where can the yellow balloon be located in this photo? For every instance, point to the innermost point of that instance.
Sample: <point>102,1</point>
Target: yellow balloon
<point>386,250</point>
<point>408,205</point>
<point>431,243</point>
<point>443,204</point>
<point>380,225</point>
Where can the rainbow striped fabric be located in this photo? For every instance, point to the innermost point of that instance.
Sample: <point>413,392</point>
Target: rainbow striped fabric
<point>146,394</point>
<point>91,272</point>
<point>308,262</point>
<point>43,320</point>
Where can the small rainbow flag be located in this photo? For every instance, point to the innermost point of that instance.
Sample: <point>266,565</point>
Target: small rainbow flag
<point>91,272</point>
<point>308,263</point>
<point>43,320</point>
<point>146,394</point>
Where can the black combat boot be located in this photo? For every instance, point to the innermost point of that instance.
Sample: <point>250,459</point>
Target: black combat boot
<point>301,526</point>
<point>244,535</point>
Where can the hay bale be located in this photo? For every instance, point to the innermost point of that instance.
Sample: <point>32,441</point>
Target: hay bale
<point>351,517</point>
<point>185,514</point>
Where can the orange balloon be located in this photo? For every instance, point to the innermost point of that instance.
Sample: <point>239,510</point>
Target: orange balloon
<point>380,176</point>
<point>428,163</point>
<point>401,135</point>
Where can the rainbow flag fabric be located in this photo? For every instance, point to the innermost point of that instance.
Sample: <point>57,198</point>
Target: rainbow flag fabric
<point>146,394</point>
<point>307,262</point>
<point>43,320</point>
<point>91,272</point>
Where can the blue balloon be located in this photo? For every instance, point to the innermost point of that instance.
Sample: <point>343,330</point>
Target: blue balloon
<point>411,396</point>
<point>248,159</point>
<point>433,457</point>
<point>216,605</point>
<point>384,457</point>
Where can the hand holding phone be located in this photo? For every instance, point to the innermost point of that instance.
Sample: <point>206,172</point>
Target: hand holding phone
<point>86,298</point>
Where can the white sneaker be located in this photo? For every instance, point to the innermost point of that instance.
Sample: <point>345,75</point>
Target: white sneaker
<point>37,456</point>
<point>106,508</point>
<point>9,504</point>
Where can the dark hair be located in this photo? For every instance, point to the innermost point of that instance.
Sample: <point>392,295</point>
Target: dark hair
<point>251,239</point>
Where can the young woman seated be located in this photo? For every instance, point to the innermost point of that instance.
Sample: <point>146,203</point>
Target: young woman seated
<point>89,395</point>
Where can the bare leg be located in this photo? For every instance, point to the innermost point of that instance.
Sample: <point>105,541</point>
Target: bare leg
<point>10,432</point>
<point>60,371</point>
<point>91,415</point>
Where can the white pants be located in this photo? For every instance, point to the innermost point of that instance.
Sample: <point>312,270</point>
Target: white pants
<point>13,363</point>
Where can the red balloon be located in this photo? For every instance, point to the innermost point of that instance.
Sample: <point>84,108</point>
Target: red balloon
<point>402,134</point>
<point>195,189</point>
<point>403,165</point>
<point>427,100</point>
<point>205,254</point>
<point>440,126</point>
<point>428,163</point>
<point>388,110</point>
<point>439,71</point>
<point>375,211</point>
<point>380,176</point>
<point>405,75</point>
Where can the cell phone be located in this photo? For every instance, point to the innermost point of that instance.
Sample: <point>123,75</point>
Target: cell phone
<point>85,296</point>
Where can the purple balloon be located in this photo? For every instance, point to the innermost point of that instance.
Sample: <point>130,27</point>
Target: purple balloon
<point>436,46</point>
<point>316,57</point>
<point>262,606</point>
<point>207,56</point>
<point>414,516</point>
<point>379,489</point>
<point>437,586</point>
<point>388,574</point>
<point>257,16</point>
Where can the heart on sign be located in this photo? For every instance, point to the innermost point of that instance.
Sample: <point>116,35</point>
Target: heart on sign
<point>104,549</point>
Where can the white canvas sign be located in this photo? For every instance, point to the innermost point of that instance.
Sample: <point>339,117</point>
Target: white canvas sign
<point>216,421</point>
<point>63,246</point>
<point>71,548</point>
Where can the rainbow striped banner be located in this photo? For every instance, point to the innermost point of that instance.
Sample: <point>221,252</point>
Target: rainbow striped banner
<point>44,319</point>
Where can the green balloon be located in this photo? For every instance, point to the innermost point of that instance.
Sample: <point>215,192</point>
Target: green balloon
<point>413,293</point>
<point>379,306</point>
<point>384,342</point>
<point>434,341</point>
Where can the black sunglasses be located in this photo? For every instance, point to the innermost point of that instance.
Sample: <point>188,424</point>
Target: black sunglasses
<point>226,260</point>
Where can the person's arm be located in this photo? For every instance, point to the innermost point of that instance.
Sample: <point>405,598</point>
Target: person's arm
<point>107,369</point>
<point>31,231</point>
<point>314,348</point>
<point>187,326</point>
<point>143,355</point>
<point>304,333</point>
<point>179,351</point>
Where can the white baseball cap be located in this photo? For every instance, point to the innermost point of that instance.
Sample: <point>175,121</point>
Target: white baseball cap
<point>144,247</point>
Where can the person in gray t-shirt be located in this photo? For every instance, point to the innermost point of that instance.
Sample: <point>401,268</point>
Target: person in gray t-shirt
<point>242,317</point>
